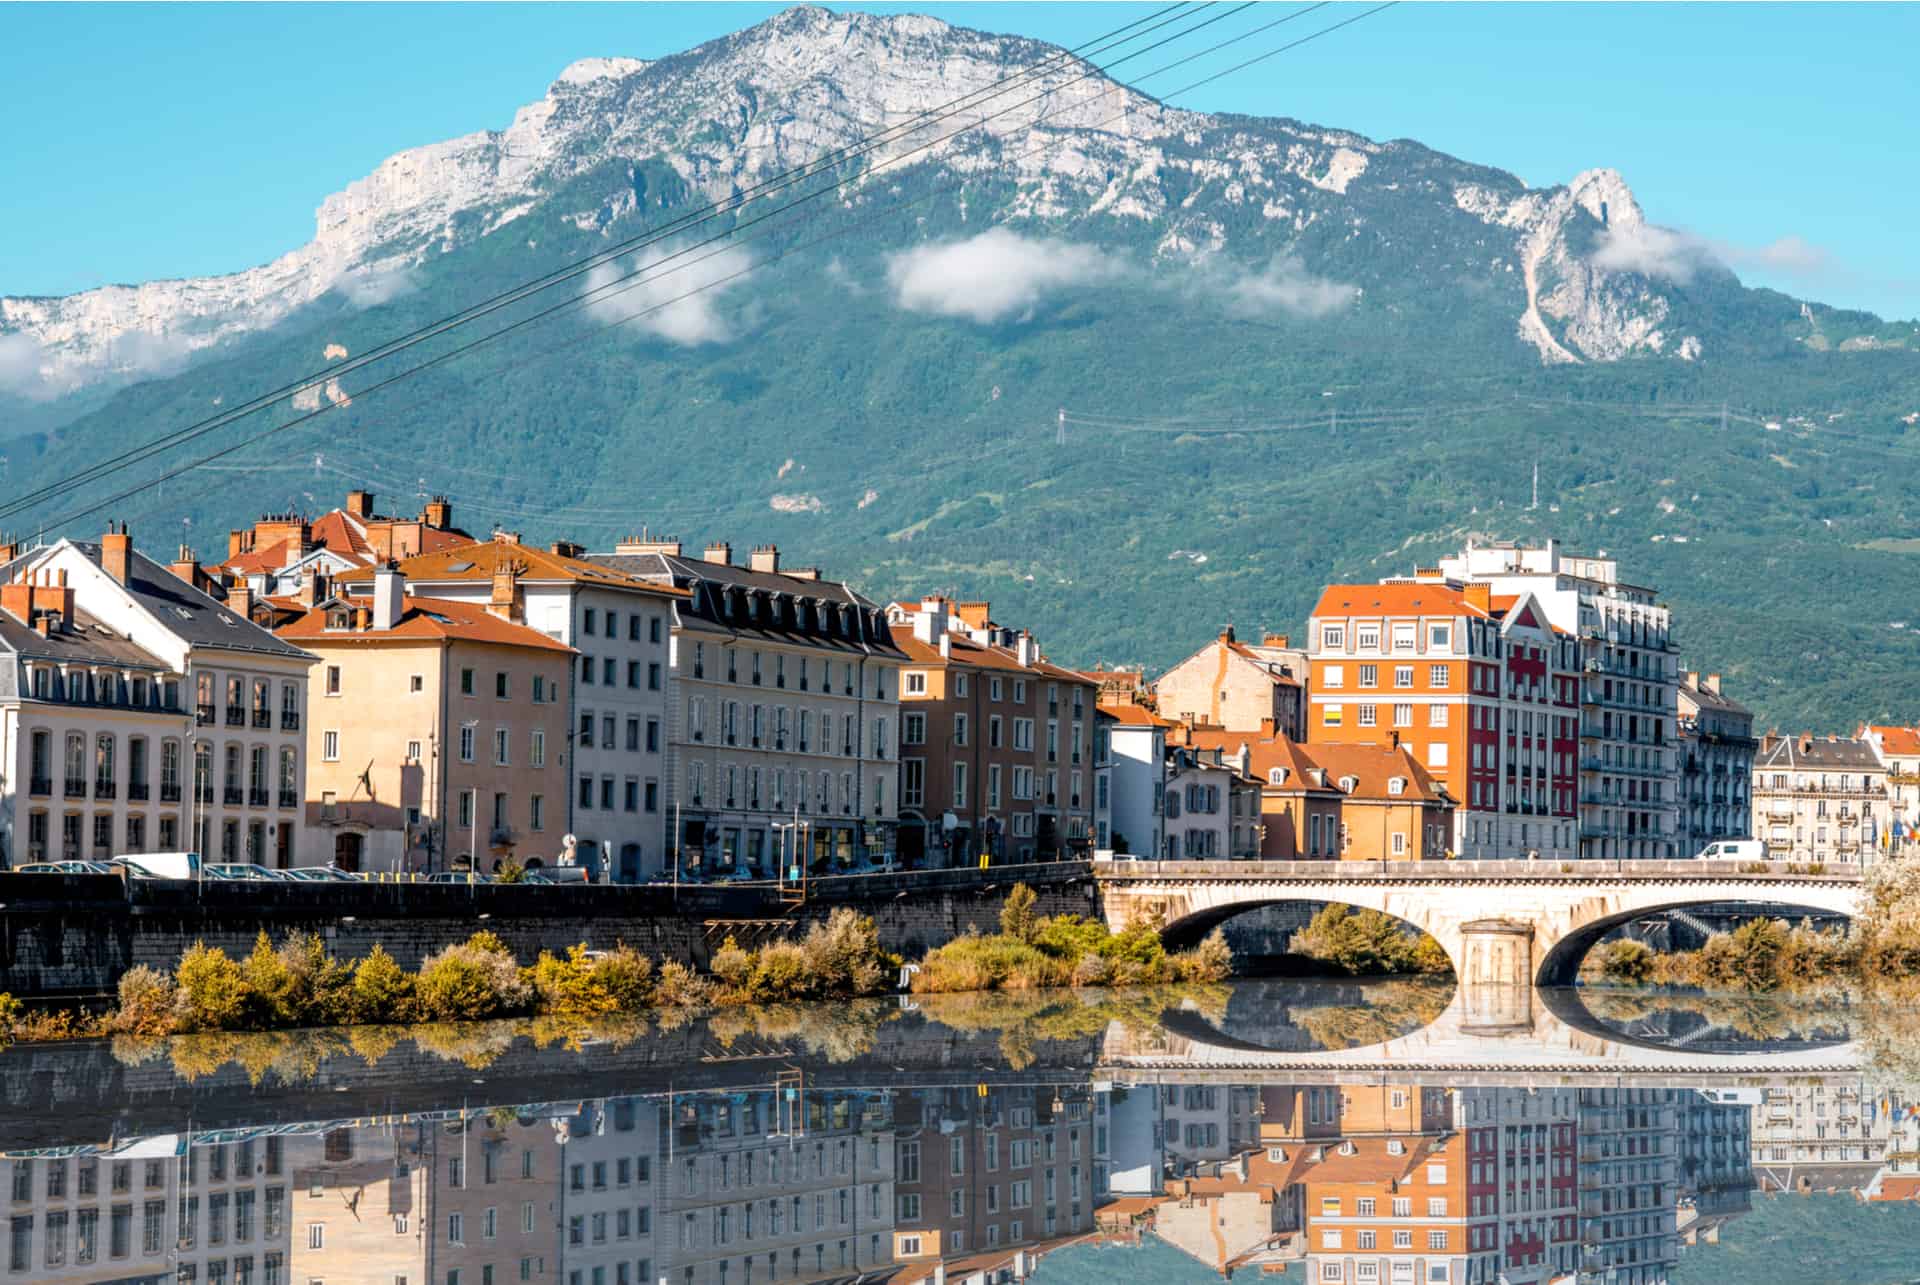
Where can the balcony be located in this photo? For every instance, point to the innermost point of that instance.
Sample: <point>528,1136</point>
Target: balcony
<point>203,715</point>
<point>289,720</point>
<point>233,796</point>
<point>42,785</point>
<point>137,791</point>
<point>500,835</point>
<point>257,798</point>
<point>76,789</point>
<point>104,790</point>
<point>236,716</point>
<point>203,793</point>
<point>289,799</point>
<point>263,718</point>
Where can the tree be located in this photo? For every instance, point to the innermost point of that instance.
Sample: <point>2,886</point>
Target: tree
<point>1017,918</point>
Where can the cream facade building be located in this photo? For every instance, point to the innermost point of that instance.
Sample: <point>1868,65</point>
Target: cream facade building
<point>1239,686</point>
<point>1715,750</point>
<point>1819,799</point>
<point>439,731</point>
<point>784,733</point>
<point>617,704</point>
<point>169,721</point>
<point>1899,749</point>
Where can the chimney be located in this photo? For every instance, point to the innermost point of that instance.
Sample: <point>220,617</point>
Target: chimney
<point>438,513</point>
<point>802,573</point>
<point>567,549</point>
<point>1025,650</point>
<point>1273,640</point>
<point>506,537</point>
<point>946,646</point>
<point>361,617</point>
<point>930,622</point>
<point>389,595</point>
<point>974,615</point>
<point>1712,684</point>
<point>1478,595</point>
<point>116,551</point>
<point>9,550</point>
<point>645,543</point>
<point>239,542</point>
<point>240,600</point>
<point>505,602</point>
<point>186,566</point>
<point>315,588</point>
<point>360,504</point>
<point>1268,729</point>
<point>766,557</point>
<point>1226,635</point>
<point>721,553</point>
<point>1806,742</point>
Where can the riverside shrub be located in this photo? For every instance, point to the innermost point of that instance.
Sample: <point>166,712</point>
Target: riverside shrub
<point>381,990</point>
<point>472,981</point>
<point>146,1003</point>
<point>210,991</point>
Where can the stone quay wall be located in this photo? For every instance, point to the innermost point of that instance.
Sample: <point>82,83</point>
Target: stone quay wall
<point>75,935</point>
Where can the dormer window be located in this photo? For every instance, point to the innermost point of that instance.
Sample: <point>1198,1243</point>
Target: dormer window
<point>1276,776</point>
<point>1348,784</point>
<point>1398,785</point>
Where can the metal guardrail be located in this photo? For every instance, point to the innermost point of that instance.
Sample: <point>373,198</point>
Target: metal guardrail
<point>1373,871</point>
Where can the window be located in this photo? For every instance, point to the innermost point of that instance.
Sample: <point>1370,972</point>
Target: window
<point>333,680</point>
<point>959,785</point>
<point>1333,636</point>
<point>1369,715</point>
<point>1436,675</point>
<point>1403,675</point>
<point>1436,715</point>
<point>466,682</point>
<point>1331,715</point>
<point>502,751</point>
<point>330,746</point>
<point>916,682</point>
<point>913,729</point>
<point>1436,1240</point>
<point>537,752</point>
<point>1333,675</point>
<point>1403,716</point>
<point>466,743</point>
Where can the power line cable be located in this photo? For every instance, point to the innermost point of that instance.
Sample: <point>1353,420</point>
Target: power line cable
<point>700,289</point>
<point>676,226</point>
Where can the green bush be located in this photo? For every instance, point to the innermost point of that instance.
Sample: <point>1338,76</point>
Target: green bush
<point>381,990</point>
<point>146,1001</point>
<point>210,991</point>
<point>732,967</point>
<point>1210,961</point>
<point>679,986</point>
<point>589,984</point>
<point>844,956</point>
<point>1625,961</point>
<point>1366,943</point>
<point>780,973</point>
<point>1070,937</point>
<point>475,980</point>
<point>1017,919</point>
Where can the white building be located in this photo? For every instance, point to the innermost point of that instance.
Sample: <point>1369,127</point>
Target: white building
<point>620,625</point>
<point>1820,799</point>
<point>100,699</point>
<point>1137,776</point>
<point>783,738</point>
<point>1629,771</point>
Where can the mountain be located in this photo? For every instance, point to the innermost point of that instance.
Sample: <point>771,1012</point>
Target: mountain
<point>1288,353</point>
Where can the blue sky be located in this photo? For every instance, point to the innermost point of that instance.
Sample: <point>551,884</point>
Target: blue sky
<point>166,141</point>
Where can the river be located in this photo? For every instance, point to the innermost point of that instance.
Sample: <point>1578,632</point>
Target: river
<point>1343,1133</point>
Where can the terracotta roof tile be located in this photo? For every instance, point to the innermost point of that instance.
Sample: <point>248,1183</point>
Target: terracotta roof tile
<point>477,561</point>
<point>1894,740</point>
<point>968,652</point>
<point>1134,716</point>
<point>428,619</point>
<point>1340,600</point>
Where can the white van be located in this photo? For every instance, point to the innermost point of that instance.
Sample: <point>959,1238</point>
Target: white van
<point>1734,850</point>
<point>164,865</point>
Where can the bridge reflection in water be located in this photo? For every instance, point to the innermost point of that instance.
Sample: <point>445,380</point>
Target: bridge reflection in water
<point>1370,1132</point>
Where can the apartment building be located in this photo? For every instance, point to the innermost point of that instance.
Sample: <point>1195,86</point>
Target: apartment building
<point>1239,686</point>
<point>1212,808</point>
<point>1389,1209</point>
<point>439,730</point>
<point>608,1157</point>
<point>1137,738</point>
<point>1899,749</point>
<point>1629,774</point>
<point>1479,690</point>
<point>619,627</point>
<point>1014,1167</point>
<point>126,645</point>
<point>1714,745</point>
<point>272,567</point>
<point>1834,1133</point>
<point>783,737</point>
<point>161,1208</point>
<point>1522,1183</point>
<point>1820,799</point>
<point>996,742</point>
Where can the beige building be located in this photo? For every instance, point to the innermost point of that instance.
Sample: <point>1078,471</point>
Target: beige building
<point>1899,749</point>
<point>1715,748</point>
<point>784,735</point>
<point>1239,686</point>
<point>1819,799</point>
<point>439,730</point>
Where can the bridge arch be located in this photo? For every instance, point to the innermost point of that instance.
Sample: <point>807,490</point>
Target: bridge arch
<point>1188,931</point>
<point>1559,964</point>
<point>1528,918</point>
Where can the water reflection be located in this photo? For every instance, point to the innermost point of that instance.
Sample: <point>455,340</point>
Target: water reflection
<point>1320,1132</point>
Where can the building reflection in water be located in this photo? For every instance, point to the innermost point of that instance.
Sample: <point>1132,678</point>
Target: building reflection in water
<point>930,1178</point>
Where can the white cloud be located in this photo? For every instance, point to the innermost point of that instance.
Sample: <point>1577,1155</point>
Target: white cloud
<point>1679,256</point>
<point>20,367</point>
<point>1286,287</point>
<point>993,276</point>
<point>678,302</point>
<point>372,286</point>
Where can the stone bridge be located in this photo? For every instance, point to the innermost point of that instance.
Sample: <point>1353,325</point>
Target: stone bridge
<point>1490,1035</point>
<point>1509,923</point>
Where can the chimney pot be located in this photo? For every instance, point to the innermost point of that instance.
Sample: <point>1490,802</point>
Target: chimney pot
<point>389,596</point>
<point>360,503</point>
<point>721,553</point>
<point>766,558</point>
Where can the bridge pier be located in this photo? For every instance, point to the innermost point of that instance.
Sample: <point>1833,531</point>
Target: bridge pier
<point>1496,976</point>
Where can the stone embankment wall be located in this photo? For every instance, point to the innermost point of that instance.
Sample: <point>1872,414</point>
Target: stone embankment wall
<point>75,935</point>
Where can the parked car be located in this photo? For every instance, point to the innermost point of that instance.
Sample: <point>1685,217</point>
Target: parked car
<point>1734,850</point>
<point>164,865</point>
<point>244,872</point>
<point>460,876</point>
<point>319,874</point>
<point>558,874</point>
<point>64,868</point>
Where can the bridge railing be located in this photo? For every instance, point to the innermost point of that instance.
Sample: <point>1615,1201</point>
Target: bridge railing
<point>1576,870</point>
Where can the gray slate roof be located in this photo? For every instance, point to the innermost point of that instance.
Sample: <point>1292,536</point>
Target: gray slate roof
<point>87,642</point>
<point>712,582</point>
<point>1840,753</point>
<point>191,614</point>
